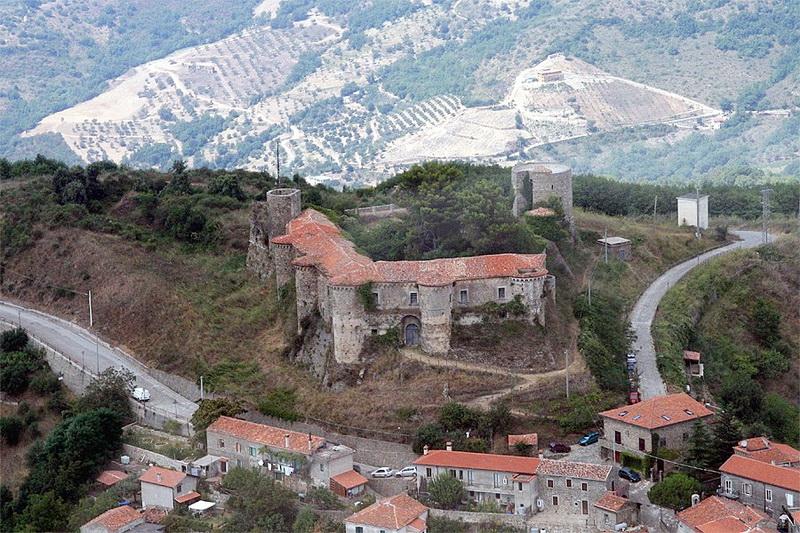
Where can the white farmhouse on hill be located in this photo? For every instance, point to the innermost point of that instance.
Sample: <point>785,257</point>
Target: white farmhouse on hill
<point>687,210</point>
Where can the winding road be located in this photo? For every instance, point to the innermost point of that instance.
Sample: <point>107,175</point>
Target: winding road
<point>85,350</point>
<point>650,382</point>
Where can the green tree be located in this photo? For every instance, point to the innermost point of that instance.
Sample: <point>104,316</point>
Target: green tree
<point>304,523</point>
<point>110,389</point>
<point>6,508</point>
<point>178,167</point>
<point>13,340</point>
<point>675,492</point>
<point>782,418</point>
<point>43,512</point>
<point>727,434</point>
<point>11,428</point>
<point>210,410</point>
<point>16,369</point>
<point>258,502</point>
<point>766,323</point>
<point>227,185</point>
<point>456,416</point>
<point>431,435</point>
<point>446,491</point>
<point>741,394</point>
<point>700,452</point>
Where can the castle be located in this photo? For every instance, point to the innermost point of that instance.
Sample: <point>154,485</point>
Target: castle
<point>355,297</point>
<point>535,182</point>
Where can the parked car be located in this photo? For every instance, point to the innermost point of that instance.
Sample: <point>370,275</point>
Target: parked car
<point>383,471</point>
<point>630,474</point>
<point>589,438</point>
<point>141,394</point>
<point>558,447</point>
<point>357,468</point>
<point>408,471</point>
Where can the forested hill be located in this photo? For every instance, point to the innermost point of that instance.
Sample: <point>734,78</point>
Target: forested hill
<point>354,91</point>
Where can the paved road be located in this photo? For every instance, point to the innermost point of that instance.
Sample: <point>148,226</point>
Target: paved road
<point>650,382</point>
<point>84,349</point>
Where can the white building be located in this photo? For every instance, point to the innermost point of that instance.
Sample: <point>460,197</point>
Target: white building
<point>164,488</point>
<point>687,210</point>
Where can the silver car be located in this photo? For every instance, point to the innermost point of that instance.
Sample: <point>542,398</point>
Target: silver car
<point>383,471</point>
<point>408,471</point>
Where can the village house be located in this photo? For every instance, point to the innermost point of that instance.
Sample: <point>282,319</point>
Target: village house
<point>164,488</point>
<point>766,451</point>
<point>717,515</point>
<point>117,520</point>
<point>286,455</point>
<point>618,247</point>
<point>398,514</point>
<point>641,428</point>
<point>569,487</point>
<point>759,484</point>
<point>612,509</point>
<point>507,480</point>
<point>348,484</point>
<point>692,364</point>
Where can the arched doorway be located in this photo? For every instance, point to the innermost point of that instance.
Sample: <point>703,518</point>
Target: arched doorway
<point>411,330</point>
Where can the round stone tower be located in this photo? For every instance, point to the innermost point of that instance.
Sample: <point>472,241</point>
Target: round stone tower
<point>282,206</point>
<point>435,306</point>
<point>536,182</point>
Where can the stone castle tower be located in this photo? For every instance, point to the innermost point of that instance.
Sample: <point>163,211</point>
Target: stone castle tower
<point>534,182</point>
<point>268,219</point>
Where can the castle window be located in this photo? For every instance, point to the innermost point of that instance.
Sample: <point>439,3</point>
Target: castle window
<point>376,297</point>
<point>413,298</point>
<point>463,296</point>
<point>501,293</point>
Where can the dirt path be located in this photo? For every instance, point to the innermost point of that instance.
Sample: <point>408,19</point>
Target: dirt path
<point>524,380</point>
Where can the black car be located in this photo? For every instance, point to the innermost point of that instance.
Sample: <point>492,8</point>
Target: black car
<point>557,447</point>
<point>630,474</point>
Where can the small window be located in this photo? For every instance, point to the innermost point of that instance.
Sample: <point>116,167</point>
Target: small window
<point>359,529</point>
<point>519,485</point>
<point>453,473</point>
<point>223,466</point>
<point>463,296</point>
<point>497,495</point>
<point>617,437</point>
<point>748,489</point>
<point>413,298</point>
<point>728,486</point>
<point>584,487</point>
<point>472,494</point>
<point>768,495</point>
<point>376,298</point>
<point>460,474</point>
<point>555,500</point>
<point>666,417</point>
<point>427,472</point>
<point>253,451</point>
<point>237,447</point>
<point>688,412</point>
<point>569,483</point>
<point>641,445</point>
<point>221,443</point>
<point>501,293</point>
<point>321,467</point>
<point>623,413</point>
<point>374,331</point>
<point>549,483</point>
<point>179,488</point>
<point>685,436</point>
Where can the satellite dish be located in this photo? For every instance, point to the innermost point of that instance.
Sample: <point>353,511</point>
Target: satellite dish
<point>261,462</point>
<point>743,443</point>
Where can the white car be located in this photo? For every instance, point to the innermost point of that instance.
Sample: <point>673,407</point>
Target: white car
<point>383,471</point>
<point>141,394</point>
<point>408,471</point>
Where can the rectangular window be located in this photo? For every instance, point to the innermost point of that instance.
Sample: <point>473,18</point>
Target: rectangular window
<point>549,483</point>
<point>768,495</point>
<point>569,483</point>
<point>413,298</point>
<point>469,476</point>
<point>427,472</point>
<point>359,529</point>
<point>555,500</point>
<point>728,486</point>
<point>452,472</point>
<point>179,488</point>
<point>519,485</point>
<point>321,467</point>
<point>472,494</point>
<point>685,436</point>
<point>501,293</point>
<point>461,474</point>
<point>641,445</point>
<point>221,443</point>
<point>497,495</point>
<point>617,437</point>
<point>376,298</point>
<point>253,451</point>
<point>747,488</point>
<point>463,296</point>
<point>223,466</point>
<point>584,487</point>
<point>237,447</point>
<point>498,479</point>
<point>584,507</point>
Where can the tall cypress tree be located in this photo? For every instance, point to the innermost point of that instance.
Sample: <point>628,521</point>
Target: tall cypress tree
<point>727,434</point>
<point>700,451</point>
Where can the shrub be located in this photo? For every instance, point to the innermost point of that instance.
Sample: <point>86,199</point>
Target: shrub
<point>11,429</point>
<point>280,403</point>
<point>675,492</point>
<point>44,383</point>
<point>446,491</point>
<point>324,498</point>
<point>442,524</point>
<point>13,340</point>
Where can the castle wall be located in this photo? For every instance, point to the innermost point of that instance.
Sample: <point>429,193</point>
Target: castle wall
<point>546,180</point>
<point>282,206</point>
<point>258,259</point>
<point>532,292</point>
<point>435,314</point>
<point>349,324</point>
<point>396,295</point>
<point>306,290</point>
<point>282,256</point>
<point>324,299</point>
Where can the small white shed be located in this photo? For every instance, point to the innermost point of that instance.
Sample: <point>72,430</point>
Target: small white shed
<point>688,205</point>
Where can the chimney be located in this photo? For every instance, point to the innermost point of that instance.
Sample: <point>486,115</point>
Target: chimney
<point>158,477</point>
<point>449,446</point>
<point>695,499</point>
<point>286,441</point>
<point>309,442</point>
<point>425,450</point>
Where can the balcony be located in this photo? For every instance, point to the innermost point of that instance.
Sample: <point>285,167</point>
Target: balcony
<point>731,494</point>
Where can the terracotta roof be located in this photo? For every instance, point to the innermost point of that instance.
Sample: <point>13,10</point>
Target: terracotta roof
<point>532,439</point>
<point>116,518</point>
<point>588,471</point>
<point>320,243</point>
<point>419,525</point>
<point>267,435</point>
<point>611,502</point>
<point>154,515</point>
<point>513,464</point>
<point>188,497</point>
<point>390,513</point>
<point>777,476</point>
<point>660,411</point>
<point>541,212</point>
<point>762,449</point>
<point>349,479</point>
<point>523,478</point>
<point>162,476</point>
<point>715,514</point>
<point>111,477</point>
<point>691,356</point>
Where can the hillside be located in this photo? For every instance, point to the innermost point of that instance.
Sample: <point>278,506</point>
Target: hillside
<point>355,94</point>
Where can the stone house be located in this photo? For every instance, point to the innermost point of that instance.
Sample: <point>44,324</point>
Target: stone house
<point>117,520</point>
<point>348,484</point>
<point>507,480</point>
<point>618,247</point>
<point>353,297</point>
<point>284,454</point>
<point>399,514</point>
<point>641,428</point>
<point>761,485</point>
<point>715,514</point>
<point>164,488</point>
<point>612,509</point>
<point>764,450</point>
<point>571,488</point>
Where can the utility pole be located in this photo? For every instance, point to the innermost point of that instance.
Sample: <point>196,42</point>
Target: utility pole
<point>697,210</point>
<point>202,395</point>
<point>278,160</point>
<point>765,213</point>
<point>97,353</point>
<point>655,207</point>
<point>590,290</point>
<point>605,245</point>
<point>91,317</point>
<point>566,370</point>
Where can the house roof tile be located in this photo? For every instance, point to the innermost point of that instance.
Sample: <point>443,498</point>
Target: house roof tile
<point>116,518</point>
<point>715,515</point>
<point>762,449</point>
<point>588,471</point>
<point>419,525</point>
<point>531,439</point>
<point>777,476</point>
<point>391,513</point>
<point>162,476</point>
<point>513,464</point>
<point>188,497</point>
<point>267,435</point>
<point>320,243</point>
<point>660,411</point>
<point>689,355</point>
<point>111,477</point>
<point>611,502</point>
<point>349,479</point>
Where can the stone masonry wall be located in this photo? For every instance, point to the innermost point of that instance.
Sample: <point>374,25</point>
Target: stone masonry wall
<point>435,312</point>
<point>258,259</point>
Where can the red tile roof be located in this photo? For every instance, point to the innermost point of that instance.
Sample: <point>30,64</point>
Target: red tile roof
<point>320,243</point>
<point>660,411</point>
<point>267,435</point>
<point>390,513</point>
<point>691,356</point>
<point>162,476</point>
<point>588,471</point>
<point>349,479</point>
<point>111,477</point>
<point>188,497</point>
<point>777,476</point>
<point>513,464</point>
<point>541,212</point>
<point>531,439</point>
<point>715,514</point>
<point>762,449</point>
<point>117,518</point>
<point>611,502</point>
<point>419,525</point>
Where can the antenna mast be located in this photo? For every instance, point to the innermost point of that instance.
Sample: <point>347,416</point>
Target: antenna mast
<point>765,213</point>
